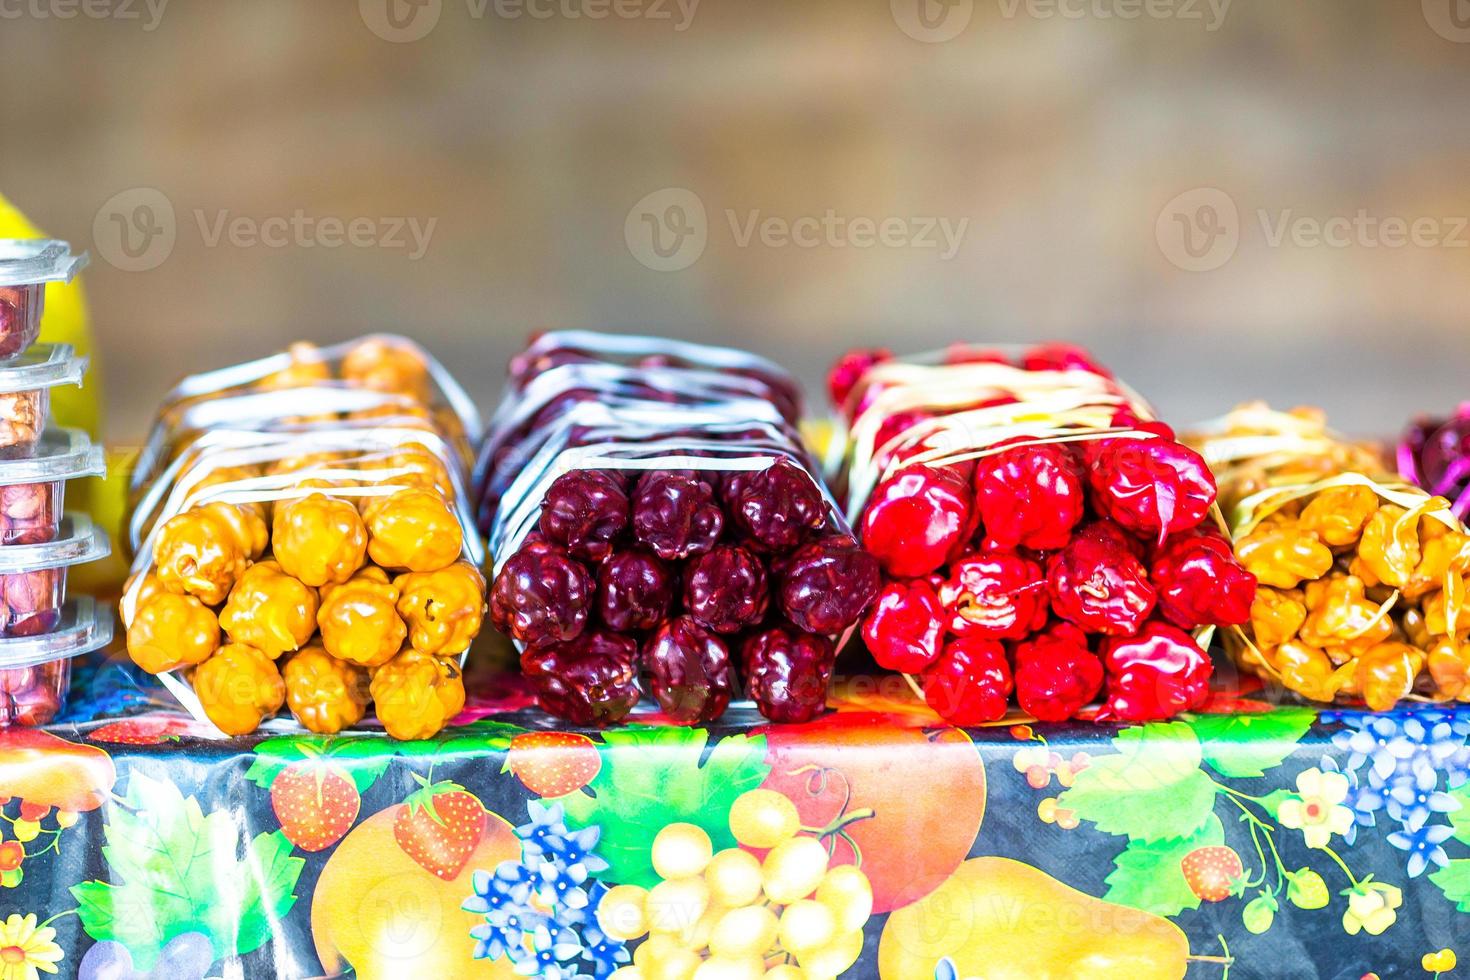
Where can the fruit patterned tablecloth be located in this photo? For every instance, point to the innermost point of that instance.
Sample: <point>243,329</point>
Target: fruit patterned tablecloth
<point>1245,841</point>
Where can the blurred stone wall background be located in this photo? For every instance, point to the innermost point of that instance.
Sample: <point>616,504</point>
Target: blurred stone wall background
<point>1138,175</point>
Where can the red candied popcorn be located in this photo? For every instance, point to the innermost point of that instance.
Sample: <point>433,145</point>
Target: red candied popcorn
<point>998,594</point>
<point>1031,496</point>
<point>904,628</point>
<point>1057,675</point>
<point>1151,487</point>
<point>970,683</point>
<point>917,518</point>
<point>1097,582</point>
<point>1200,582</point>
<point>1156,674</point>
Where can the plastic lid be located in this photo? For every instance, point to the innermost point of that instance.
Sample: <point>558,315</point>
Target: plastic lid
<point>79,541</point>
<point>42,366</point>
<point>85,626</point>
<point>60,454</point>
<point>28,261</point>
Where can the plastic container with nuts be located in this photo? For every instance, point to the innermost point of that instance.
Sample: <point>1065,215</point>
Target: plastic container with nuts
<point>33,489</point>
<point>33,576</point>
<point>35,671</point>
<point>314,552</point>
<point>26,266</point>
<point>25,394</point>
<point>1365,580</point>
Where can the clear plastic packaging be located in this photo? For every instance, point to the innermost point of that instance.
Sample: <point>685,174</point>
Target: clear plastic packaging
<point>374,377</point>
<point>664,520</point>
<point>25,394</point>
<point>26,266</point>
<point>308,545</point>
<point>33,576</point>
<point>35,671</point>
<point>33,489</point>
<point>1041,534</point>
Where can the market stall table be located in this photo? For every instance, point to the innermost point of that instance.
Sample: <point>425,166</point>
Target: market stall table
<point>1243,841</point>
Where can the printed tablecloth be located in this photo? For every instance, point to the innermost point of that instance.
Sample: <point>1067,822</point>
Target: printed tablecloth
<point>1244,841</point>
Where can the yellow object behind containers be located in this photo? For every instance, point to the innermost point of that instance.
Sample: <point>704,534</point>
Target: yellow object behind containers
<point>66,321</point>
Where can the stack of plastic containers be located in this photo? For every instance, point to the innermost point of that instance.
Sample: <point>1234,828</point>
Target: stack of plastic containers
<point>41,628</point>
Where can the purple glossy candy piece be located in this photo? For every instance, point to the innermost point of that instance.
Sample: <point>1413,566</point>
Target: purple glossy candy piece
<point>591,680</point>
<point>541,596</point>
<point>776,508</point>
<point>689,671</point>
<point>634,591</point>
<point>827,585</point>
<point>726,590</point>
<point>676,516</point>
<point>787,673</point>
<point>585,511</point>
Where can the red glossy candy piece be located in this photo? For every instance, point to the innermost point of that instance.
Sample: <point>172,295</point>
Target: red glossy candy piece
<point>541,596</point>
<point>1098,583</point>
<point>1200,582</point>
<point>1029,497</point>
<point>998,594</point>
<point>1152,487</point>
<point>1062,357</point>
<point>849,370</point>
<point>905,626</point>
<point>970,683</point>
<point>1056,674</point>
<point>916,519</point>
<point>1156,674</point>
<point>689,671</point>
<point>787,673</point>
<point>828,584</point>
<point>591,680</point>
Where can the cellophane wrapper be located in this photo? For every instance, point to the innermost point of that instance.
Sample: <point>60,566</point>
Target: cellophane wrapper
<point>1434,454</point>
<point>1042,534</point>
<point>659,527</point>
<point>303,537</point>
<point>1363,593</point>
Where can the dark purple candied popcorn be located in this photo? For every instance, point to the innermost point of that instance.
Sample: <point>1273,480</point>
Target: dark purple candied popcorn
<point>776,507</point>
<point>585,511</point>
<point>541,596</point>
<point>787,672</point>
<point>726,590</point>
<point>827,585</point>
<point>591,680</point>
<point>676,516</point>
<point>634,591</point>
<point>689,671</point>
